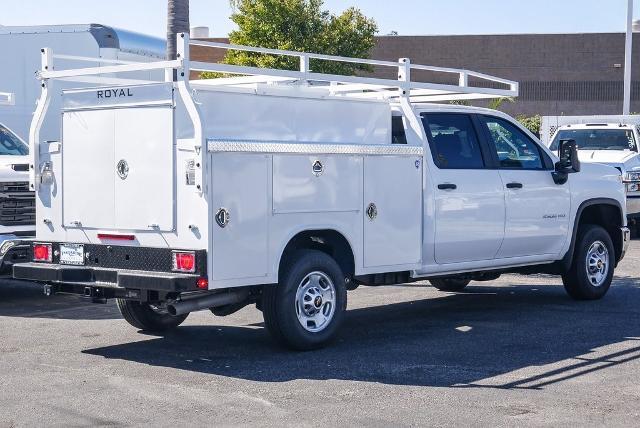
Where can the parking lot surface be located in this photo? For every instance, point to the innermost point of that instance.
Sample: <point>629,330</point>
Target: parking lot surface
<point>512,351</point>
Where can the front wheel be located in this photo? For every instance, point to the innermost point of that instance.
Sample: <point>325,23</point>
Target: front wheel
<point>592,267</point>
<point>304,310</point>
<point>148,317</point>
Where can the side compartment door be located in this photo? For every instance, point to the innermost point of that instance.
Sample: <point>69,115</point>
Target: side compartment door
<point>537,208</point>
<point>392,210</point>
<point>469,209</point>
<point>240,187</point>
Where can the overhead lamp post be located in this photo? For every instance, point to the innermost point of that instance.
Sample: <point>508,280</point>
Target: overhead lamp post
<point>626,105</point>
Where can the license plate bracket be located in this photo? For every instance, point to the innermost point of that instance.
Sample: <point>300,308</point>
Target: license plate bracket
<point>72,254</point>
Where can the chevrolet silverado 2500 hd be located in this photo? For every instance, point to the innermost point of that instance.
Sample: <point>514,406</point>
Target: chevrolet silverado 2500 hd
<point>285,189</point>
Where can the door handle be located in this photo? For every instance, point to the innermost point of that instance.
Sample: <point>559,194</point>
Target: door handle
<point>447,186</point>
<point>514,186</point>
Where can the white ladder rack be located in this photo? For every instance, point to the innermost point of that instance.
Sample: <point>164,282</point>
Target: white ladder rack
<point>338,85</point>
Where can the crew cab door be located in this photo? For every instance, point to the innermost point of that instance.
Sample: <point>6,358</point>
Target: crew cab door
<point>469,210</point>
<point>537,209</point>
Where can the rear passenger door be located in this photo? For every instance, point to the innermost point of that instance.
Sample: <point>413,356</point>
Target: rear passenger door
<point>537,208</point>
<point>469,210</point>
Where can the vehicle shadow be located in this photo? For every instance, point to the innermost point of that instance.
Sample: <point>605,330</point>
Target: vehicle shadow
<point>26,299</point>
<point>501,337</point>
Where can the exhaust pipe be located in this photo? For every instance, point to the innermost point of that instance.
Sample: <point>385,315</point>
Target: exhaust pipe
<point>201,303</point>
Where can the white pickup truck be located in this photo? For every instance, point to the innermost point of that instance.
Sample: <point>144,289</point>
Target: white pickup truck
<point>285,189</point>
<point>613,143</point>
<point>17,201</point>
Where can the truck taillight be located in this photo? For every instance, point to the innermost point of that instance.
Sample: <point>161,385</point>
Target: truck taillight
<point>42,252</point>
<point>184,261</point>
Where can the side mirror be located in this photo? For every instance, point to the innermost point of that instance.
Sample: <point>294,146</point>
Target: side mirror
<point>568,163</point>
<point>568,154</point>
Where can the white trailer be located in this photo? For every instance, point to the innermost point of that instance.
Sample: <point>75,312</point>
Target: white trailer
<point>286,188</point>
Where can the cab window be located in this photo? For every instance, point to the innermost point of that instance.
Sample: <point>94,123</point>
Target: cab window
<point>10,145</point>
<point>514,149</point>
<point>453,141</point>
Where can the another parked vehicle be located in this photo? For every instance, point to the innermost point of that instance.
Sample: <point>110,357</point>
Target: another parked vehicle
<point>17,201</point>
<point>285,189</point>
<point>611,142</point>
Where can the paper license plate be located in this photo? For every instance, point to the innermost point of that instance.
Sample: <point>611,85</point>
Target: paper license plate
<point>71,254</point>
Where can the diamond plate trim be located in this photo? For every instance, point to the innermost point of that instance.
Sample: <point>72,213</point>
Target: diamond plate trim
<point>259,146</point>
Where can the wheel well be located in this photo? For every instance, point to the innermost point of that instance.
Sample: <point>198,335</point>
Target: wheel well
<point>609,217</point>
<point>328,241</point>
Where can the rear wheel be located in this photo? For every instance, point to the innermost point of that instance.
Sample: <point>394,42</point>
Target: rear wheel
<point>304,310</point>
<point>148,317</point>
<point>592,267</point>
<point>450,284</point>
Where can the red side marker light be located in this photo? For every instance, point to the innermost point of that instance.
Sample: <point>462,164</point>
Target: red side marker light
<point>184,261</point>
<point>202,284</point>
<point>42,252</point>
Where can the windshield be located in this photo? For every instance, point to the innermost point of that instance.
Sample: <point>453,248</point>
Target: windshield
<point>10,145</point>
<point>597,139</point>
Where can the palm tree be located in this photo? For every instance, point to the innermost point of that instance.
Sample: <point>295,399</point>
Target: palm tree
<point>177,22</point>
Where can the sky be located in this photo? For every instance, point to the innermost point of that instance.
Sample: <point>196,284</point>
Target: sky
<point>407,17</point>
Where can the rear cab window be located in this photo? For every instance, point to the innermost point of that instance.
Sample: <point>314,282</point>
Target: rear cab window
<point>453,141</point>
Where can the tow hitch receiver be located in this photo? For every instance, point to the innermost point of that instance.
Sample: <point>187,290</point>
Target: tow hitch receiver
<point>95,294</point>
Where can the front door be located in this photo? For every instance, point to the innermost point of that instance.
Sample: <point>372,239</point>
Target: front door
<point>537,209</point>
<point>469,210</point>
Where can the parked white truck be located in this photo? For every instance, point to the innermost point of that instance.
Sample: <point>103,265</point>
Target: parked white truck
<point>17,201</point>
<point>611,140</point>
<point>285,189</point>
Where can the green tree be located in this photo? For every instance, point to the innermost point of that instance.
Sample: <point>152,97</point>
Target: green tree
<point>532,123</point>
<point>496,103</point>
<point>299,25</point>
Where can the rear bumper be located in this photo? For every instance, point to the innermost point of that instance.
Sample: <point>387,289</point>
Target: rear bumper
<point>72,278</point>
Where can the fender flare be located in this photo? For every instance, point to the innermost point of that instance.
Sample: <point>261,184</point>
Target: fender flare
<point>568,257</point>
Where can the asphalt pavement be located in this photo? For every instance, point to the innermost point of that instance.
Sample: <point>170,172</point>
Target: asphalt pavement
<point>515,351</point>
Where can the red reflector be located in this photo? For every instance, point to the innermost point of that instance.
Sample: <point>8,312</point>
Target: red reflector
<point>184,262</point>
<point>202,283</point>
<point>114,237</point>
<point>42,252</point>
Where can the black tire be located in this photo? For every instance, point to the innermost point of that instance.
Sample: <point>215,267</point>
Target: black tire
<point>577,281</point>
<point>450,284</point>
<point>279,305</point>
<point>142,316</point>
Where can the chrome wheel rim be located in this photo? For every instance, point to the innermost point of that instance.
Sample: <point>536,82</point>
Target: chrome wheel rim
<point>597,263</point>
<point>315,301</point>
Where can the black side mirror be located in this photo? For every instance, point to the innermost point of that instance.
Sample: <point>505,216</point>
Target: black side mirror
<point>568,163</point>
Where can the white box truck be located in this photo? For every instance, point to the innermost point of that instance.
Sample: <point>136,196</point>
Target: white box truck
<point>285,189</point>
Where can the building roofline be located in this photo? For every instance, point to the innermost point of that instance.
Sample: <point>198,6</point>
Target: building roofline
<point>583,33</point>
